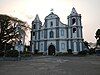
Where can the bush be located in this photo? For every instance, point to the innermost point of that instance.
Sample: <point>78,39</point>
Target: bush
<point>91,51</point>
<point>83,53</point>
<point>36,51</point>
<point>98,52</point>
<point>40,53</point>
<point>69,51</point>
<point>26,54</point>
<point>11,53</point>
<point>1,53</point>
<point>61,54</point>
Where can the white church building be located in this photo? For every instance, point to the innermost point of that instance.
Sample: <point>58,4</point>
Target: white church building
<point>53,36</point>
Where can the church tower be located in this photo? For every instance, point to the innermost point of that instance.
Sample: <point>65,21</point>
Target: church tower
<point>75,35</point>
<point>35,33</point>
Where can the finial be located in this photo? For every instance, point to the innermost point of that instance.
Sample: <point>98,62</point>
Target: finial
<point>51,10</point>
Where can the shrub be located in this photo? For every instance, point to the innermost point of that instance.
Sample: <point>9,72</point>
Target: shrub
<point>83,53</point>
<point>65,53</point>
<point>1,53</point>
<point>61,54</point>
<point>40,53</point>
<point>69,51</point>
<point>98,52</point>
<point>36,51</point>
<point>91,51</point>
<point>11,53</point>
<point>26,54</point>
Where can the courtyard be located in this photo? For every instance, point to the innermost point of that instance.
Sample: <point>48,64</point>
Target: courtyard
<point>52,65</point>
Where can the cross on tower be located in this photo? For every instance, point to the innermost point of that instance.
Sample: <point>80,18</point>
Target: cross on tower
<point>51,10</point>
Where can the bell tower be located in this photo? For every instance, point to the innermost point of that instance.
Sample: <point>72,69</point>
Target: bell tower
<point>75,31</point>
<point>35,33</point>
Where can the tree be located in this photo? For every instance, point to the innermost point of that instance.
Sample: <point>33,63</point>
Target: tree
<point>98,37</point>
<point>86,44</point>
<point>8,33</point>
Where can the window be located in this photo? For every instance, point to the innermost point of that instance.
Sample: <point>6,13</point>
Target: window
<point>34,26</point>
<point>62,32</point>
<point>51,34</point>
<point>41,46</point>
<point>51,23</point>
<point>74,30</point>
<point>42,34</point>
<point>73,21</point>
<point>33,33</point>
<point>62,46</point>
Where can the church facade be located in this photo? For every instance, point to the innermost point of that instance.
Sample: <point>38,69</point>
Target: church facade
<point>53,36</point>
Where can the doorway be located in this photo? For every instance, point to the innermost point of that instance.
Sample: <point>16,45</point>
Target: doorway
<point>51,50</point>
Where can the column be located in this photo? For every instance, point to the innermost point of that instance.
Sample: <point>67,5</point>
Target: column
<point>75,47</point>
<point>69,44</point>
<point>80,33</point>
<point>69,33</point>
<point>32,47</point>
<point>80,46</point>
<point>57,45</point>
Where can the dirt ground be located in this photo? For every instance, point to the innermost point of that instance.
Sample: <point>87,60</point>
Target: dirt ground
<point>52,65</point>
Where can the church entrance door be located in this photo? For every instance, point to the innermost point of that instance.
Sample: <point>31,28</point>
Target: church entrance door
<point>51,50</point>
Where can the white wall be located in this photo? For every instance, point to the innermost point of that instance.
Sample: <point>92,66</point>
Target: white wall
<point>65,48</point>
<point>60,32</point>
<point>48,33</point>
<point>41,45</point>
<point>49,23</point>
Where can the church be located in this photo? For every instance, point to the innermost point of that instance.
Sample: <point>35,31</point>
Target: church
<point>53,36</point>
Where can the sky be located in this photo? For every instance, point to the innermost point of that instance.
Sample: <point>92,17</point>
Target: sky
<point>26,10</point>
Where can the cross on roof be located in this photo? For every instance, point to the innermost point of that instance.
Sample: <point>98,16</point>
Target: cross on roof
<point>51,10</point>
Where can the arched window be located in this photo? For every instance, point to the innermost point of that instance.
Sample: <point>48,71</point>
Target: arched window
<point>51,23</point>
<point>73,21</point>
<point>42,46</point>
<point>34,26</point>
<point>33,33</point>
<point>51,34</point>
<point>62,46</point>
<point>74,30</point>
<point>62,32</point>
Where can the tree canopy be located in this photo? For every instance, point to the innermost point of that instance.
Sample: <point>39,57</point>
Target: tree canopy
<point>98,36</point>
<point>86,44</point>
<point>8,26</point>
